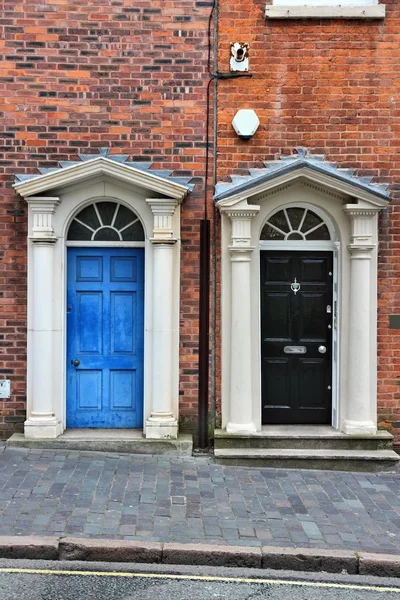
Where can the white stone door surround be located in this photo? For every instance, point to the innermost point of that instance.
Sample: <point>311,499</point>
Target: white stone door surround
<point>157,204</point>
<point>352,216</point>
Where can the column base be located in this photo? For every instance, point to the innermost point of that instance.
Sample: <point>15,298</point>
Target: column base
<point>241,428</point>
<point>359,427</point>
<point>42,428</point>
<point>159,427</point>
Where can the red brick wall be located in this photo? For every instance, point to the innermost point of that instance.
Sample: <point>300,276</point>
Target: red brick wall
<point>79,75</point>
<point>332,86</point>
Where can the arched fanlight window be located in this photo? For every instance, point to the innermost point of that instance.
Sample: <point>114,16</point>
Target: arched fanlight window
<point>295,224</point>
<point>106,222</point>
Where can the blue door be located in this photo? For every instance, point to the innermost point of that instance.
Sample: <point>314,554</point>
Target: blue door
<point>105,327</point>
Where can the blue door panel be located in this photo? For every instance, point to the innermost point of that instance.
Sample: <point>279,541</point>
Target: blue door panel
<point>89,268</point>
<point>105,332</point>
<point>90,322</point>
<point>123,390</point>
<point>123,330</point>
<point>89,390</point>
<point>123,268</point>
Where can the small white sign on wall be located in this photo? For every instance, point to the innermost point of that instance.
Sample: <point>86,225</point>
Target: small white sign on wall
<point>5,388</point>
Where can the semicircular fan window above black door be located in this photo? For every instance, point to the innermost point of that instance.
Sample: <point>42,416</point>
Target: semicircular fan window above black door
<point>106,222</point>
<point>295,224</point>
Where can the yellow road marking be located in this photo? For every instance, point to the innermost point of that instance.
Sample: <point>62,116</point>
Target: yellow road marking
<point>319,584</point>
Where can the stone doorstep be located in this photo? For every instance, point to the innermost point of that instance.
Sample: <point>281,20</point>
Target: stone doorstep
<point>122,441</point>
<point>306,432</point>
<point>336,460</point>
<point>307,454</point>
<point>303,437</point>
<point>267,557</point>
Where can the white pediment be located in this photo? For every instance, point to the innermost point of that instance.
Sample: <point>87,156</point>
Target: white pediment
<point>101,166</point>
<point>305,174</point>
<point>301,167</point>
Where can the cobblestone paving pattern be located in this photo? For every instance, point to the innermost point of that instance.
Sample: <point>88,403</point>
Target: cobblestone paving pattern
<point>107,495</point>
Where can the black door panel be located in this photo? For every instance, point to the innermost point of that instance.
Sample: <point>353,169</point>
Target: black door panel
<point>278,317</point>
<point>295,327</point>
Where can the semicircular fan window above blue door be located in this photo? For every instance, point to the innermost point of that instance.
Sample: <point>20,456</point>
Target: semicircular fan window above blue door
<point>106,222</point>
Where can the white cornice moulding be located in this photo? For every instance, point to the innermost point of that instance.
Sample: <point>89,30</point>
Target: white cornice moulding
<point>43,200</point>
<point>364,11</point>
<point>101,166</point>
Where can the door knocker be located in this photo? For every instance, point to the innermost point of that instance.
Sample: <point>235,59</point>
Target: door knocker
<point>295,286</point>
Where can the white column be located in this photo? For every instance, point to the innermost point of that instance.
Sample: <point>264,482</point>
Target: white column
<point>162,424</point>
<point>361,397</point>
<point>241,393</point>
<point>41,421</point>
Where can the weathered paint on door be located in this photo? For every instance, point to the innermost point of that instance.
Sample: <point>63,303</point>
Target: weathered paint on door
<point>105,329</point>
<point>296,337</point>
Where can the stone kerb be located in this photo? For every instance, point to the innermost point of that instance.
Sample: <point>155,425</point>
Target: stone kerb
<point>274,558</point>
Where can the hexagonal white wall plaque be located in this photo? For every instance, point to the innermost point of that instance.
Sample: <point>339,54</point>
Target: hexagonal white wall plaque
<point>245,123</point>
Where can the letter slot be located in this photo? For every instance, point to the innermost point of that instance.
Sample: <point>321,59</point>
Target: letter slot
<point>295,349</point>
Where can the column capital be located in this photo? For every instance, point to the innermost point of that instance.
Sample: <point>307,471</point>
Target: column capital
<point>241,218</point>
<point>158,241</point>
<point>241,253</point>
<point>43,209</point>
<point>363,224</point>
<point>43,241</point>
<point>163,210</point>
<point>356,210</point>
<point>240,212</point>
<point>360,251</point>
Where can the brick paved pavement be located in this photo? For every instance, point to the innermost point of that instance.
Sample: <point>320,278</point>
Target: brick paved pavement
<point>107,495</point>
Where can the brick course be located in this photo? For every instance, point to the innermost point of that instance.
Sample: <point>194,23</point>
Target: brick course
<point>75,77</point>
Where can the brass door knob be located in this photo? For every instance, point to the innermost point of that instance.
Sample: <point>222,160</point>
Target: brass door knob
<point>76,362</point>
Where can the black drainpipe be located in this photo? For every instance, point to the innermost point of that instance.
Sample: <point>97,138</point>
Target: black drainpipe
<point>204,300</point>
<point>204,308</point>
<point>204,324</point>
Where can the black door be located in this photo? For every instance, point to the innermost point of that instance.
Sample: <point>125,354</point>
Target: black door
<point>296,337</point>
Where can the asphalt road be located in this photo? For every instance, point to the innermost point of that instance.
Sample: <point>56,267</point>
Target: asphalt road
<point>39,580</point>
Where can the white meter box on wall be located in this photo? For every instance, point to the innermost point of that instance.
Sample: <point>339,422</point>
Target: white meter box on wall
<point>5,388</point>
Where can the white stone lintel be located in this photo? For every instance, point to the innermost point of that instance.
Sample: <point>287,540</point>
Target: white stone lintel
<point>317,11</point>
